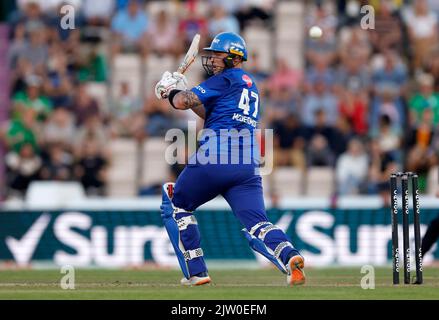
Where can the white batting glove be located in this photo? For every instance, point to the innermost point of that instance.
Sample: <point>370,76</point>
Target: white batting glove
<point>170,82</point>
<point>181,80</point>
<point>165,85</point>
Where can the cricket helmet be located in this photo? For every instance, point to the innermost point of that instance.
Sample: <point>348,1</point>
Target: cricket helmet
<point>229,42</point>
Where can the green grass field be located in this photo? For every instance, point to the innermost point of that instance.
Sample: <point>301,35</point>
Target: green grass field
<point>334,283</point>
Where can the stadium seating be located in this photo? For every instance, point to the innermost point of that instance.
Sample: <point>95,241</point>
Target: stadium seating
<point>155,169</point>
<point>99,91</point>
<point>259,40</point>
<point>154,70</point>
<point>288,182</point>
<point>123,168</point>
<point>126,68</point>
<point>289,44</point>
<point>319,181</point>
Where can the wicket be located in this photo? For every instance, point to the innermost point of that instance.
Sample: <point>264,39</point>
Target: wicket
<point>405,177</point>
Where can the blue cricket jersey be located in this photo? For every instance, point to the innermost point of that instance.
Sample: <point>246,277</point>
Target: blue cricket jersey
<point>231,101</point>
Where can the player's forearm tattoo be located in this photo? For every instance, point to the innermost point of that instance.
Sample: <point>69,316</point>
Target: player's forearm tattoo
<point>189,99</point>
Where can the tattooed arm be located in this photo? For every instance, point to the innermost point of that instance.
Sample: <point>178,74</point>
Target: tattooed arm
<point>188,100</point>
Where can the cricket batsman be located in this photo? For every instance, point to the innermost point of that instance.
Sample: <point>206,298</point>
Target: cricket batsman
<point>227,100</point>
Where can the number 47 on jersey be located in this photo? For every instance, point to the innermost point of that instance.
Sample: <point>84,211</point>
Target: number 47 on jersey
<point>244,102</point>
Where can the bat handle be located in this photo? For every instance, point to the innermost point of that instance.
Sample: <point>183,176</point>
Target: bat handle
<point>181,70</point>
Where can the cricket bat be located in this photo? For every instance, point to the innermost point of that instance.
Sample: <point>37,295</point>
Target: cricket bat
<point>190,56</point>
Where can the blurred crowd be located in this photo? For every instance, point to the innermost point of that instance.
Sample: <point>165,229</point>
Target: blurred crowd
<point>366,102</point>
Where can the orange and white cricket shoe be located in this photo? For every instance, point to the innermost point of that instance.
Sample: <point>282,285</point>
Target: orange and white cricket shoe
<point>296,275</point>
<point>195,281</point>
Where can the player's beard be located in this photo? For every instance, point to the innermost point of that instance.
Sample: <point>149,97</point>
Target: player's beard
<point>210,67</point>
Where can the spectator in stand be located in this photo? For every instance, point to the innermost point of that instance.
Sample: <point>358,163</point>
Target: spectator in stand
<point>92,129</point>
<point>419,139</point>
<point>23,131</point>
<point>321,49</point>
<point>320,98</point>
<point>18,75</point>
<point>22,168</point>
<point>91,65</point>
<point>420,134</point>
<point>60,129</point>
<point>320,71</point>
<point>381,165</point>
<point>425,99</point>
<point>389,138</point>
<point>18,45</point>
<point>351,168</point>
<point>58,165</point>
<point>389,84</point>
<point>32,98</point>
<point>254,12</point>
<point>336,135</point>
<point>221,21</point>
<point>322,14</point>
<point>281,88</point>
<point>389,70</point>
<point>163,35</point>
<point>422,24</point>
<point>124,111</point>
<point>58,84</point>
<point>353,106</point>
<point>73,45</point>
<point>388,32</point>
<point>130,26</point>
<point>289,141</point>
<point>191,24</point>
<point>354,46</point>
<point>91,169</point>
<point>84,106</point>
<point>387,105</point>
<point>319,153</point>
<point>353,76</point>
<point>282,103</point>
<point>284,77</point>
<point>343,133</point>
<point>30,15</point>
<point>36,49</point>
<point>157,118</point>
<point>325,47</point>
<point>431,66</point>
